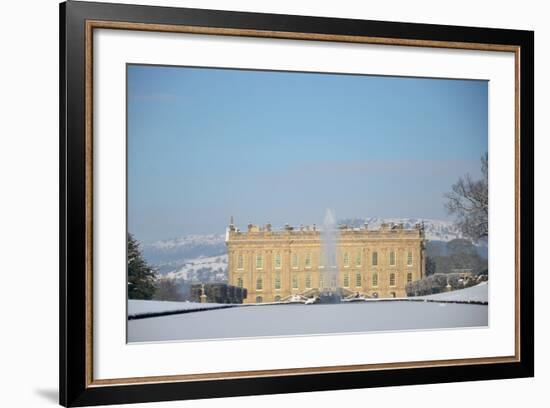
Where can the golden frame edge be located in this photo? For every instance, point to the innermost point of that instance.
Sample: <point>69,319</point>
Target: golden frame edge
<point>102,24</point>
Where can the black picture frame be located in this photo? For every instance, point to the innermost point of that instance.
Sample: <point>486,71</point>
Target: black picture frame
<point>75,387</point>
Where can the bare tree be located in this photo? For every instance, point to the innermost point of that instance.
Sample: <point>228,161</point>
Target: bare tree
<point>469,201</point>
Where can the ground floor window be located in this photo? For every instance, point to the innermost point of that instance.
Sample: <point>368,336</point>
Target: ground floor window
<point>259,299</point>
<point>277,281</point>
<point>346,280</point>
<point>277,298</point>
<point>409,277</point>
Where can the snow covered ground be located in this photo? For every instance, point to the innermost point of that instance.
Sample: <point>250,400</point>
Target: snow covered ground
<point>299,319</point>
<point>478,293</point>
<point>149,307</point>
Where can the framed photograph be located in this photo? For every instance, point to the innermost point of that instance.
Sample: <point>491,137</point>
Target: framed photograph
<point>257,203</point>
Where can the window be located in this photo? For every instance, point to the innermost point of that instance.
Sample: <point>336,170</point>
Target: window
<point>346,280</point>
<point>259,261</point>
<point>333,281</point>
<point>374,258</point>
<point>392,258</point>
<point>240,281</point>
<point>308,261</point>
<point>259,299</point>
<point>346,259</point>
<point>392,279</point>
<point>358,280</point>
<point>409,277</point>
<point>277,261</point>
<point>375,279</point>
<point>294,281</point>
<point>295,260</point>
<point>259,283</point>
<point>308,281</point>
<point>409,258</point>
<point>277,283</point>
<point>277,298</point>
<point>321,281</point>
<point>392,294</point>
<point>375,295</point>
<point>240,261</point>
<point>358,259</point>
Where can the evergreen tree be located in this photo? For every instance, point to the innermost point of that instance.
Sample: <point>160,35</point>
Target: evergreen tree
<point>141,276</point>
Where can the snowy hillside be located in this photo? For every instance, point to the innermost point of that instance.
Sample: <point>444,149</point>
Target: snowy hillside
<point>193,269</point>
<point>184,253</point>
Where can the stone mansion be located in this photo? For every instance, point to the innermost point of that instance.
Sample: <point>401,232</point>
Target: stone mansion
<point>275,265</point>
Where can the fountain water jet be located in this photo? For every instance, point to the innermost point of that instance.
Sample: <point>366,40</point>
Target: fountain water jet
<point>328,277</point>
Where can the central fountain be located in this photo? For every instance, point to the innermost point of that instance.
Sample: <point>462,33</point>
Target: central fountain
<point>329,291</point>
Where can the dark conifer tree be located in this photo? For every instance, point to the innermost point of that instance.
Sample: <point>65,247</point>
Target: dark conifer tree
<point>141,276</point>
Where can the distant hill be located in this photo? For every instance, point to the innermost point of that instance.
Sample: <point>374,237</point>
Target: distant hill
<point>437,230</point>
<point>203,257</point>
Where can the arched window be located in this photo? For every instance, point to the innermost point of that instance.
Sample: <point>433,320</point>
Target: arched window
<point>277,298</point>
<point>392,279</point>
<point>392,294</point>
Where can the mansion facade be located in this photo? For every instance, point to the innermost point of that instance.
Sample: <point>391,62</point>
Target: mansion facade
<point>277,265</point>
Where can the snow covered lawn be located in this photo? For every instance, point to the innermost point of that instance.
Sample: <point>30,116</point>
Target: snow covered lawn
<point>474,294</point>
<point>141,308</point>
<point>299,319</point>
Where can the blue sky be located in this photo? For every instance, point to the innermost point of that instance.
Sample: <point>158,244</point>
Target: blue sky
<point>280,147</point>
